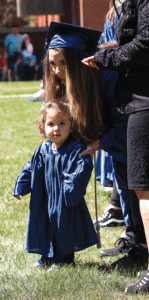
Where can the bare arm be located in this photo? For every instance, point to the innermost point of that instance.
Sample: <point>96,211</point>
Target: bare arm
<point>6,52</point>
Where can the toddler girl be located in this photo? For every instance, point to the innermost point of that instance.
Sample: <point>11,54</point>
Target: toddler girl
<point>59,222</point>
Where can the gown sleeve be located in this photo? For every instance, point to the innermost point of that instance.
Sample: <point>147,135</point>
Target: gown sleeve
<point>134,53</point>
<point>23,184</point>
<point>76,176</point>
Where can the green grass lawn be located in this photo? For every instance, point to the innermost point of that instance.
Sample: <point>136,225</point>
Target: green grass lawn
<point>19,87</point>
<point>19,138</point>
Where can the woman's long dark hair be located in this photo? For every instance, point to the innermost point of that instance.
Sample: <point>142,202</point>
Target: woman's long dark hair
<point>82,91</point>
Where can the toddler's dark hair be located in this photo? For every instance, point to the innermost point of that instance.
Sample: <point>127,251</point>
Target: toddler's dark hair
<point>61,104</point>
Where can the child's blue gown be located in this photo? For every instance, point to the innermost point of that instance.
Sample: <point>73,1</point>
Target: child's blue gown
<point>57,182</point>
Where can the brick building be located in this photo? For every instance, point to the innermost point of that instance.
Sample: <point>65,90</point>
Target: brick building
<point>87,13</point>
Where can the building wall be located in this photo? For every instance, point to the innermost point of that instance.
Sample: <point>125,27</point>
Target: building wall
<point>94,12</point>
<point>87,13</point>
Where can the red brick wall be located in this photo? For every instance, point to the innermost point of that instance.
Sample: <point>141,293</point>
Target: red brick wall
<point>94,12</point>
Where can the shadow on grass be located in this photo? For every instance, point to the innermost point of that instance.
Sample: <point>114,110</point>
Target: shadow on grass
<point>98,265</point>
<point>107,268</point>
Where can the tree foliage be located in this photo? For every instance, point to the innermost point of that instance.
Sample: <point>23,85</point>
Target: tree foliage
<point>8,15</point>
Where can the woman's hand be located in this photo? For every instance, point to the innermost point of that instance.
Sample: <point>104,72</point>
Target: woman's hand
<point>95,146</point>
<point>18,197</point>
<point>89,61</point>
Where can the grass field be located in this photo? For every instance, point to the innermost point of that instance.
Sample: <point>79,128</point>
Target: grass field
<point>18,279</point>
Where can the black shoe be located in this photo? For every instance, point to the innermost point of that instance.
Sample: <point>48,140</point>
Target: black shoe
<point>141,286</point>
<point>111,218</point>
<point>43,261</point>
<point>121,245</point>
<point>135,257</point>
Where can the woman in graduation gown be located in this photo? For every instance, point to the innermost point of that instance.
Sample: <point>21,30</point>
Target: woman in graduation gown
<point>92,98</point>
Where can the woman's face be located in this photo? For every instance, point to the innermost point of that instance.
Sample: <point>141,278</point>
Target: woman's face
<point>58,64</point>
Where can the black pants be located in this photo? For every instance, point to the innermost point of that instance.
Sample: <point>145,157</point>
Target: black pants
<point>62,259</point>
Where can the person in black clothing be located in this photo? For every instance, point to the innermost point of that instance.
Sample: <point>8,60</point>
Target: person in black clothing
<point>131,59</point>
<point>113,215</point>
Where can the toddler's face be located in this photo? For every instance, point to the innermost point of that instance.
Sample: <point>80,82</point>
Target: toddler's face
<point>57,126</point>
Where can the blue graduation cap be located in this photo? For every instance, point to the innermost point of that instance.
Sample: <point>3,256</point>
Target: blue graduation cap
<point>62,35</point>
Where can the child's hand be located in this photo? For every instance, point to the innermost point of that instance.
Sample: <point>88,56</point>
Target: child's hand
<point>18,197</point>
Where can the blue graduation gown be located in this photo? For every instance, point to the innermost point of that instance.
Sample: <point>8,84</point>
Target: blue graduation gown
<point>114,138</point>
<point>57,182</point>
<point>104,162</point>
